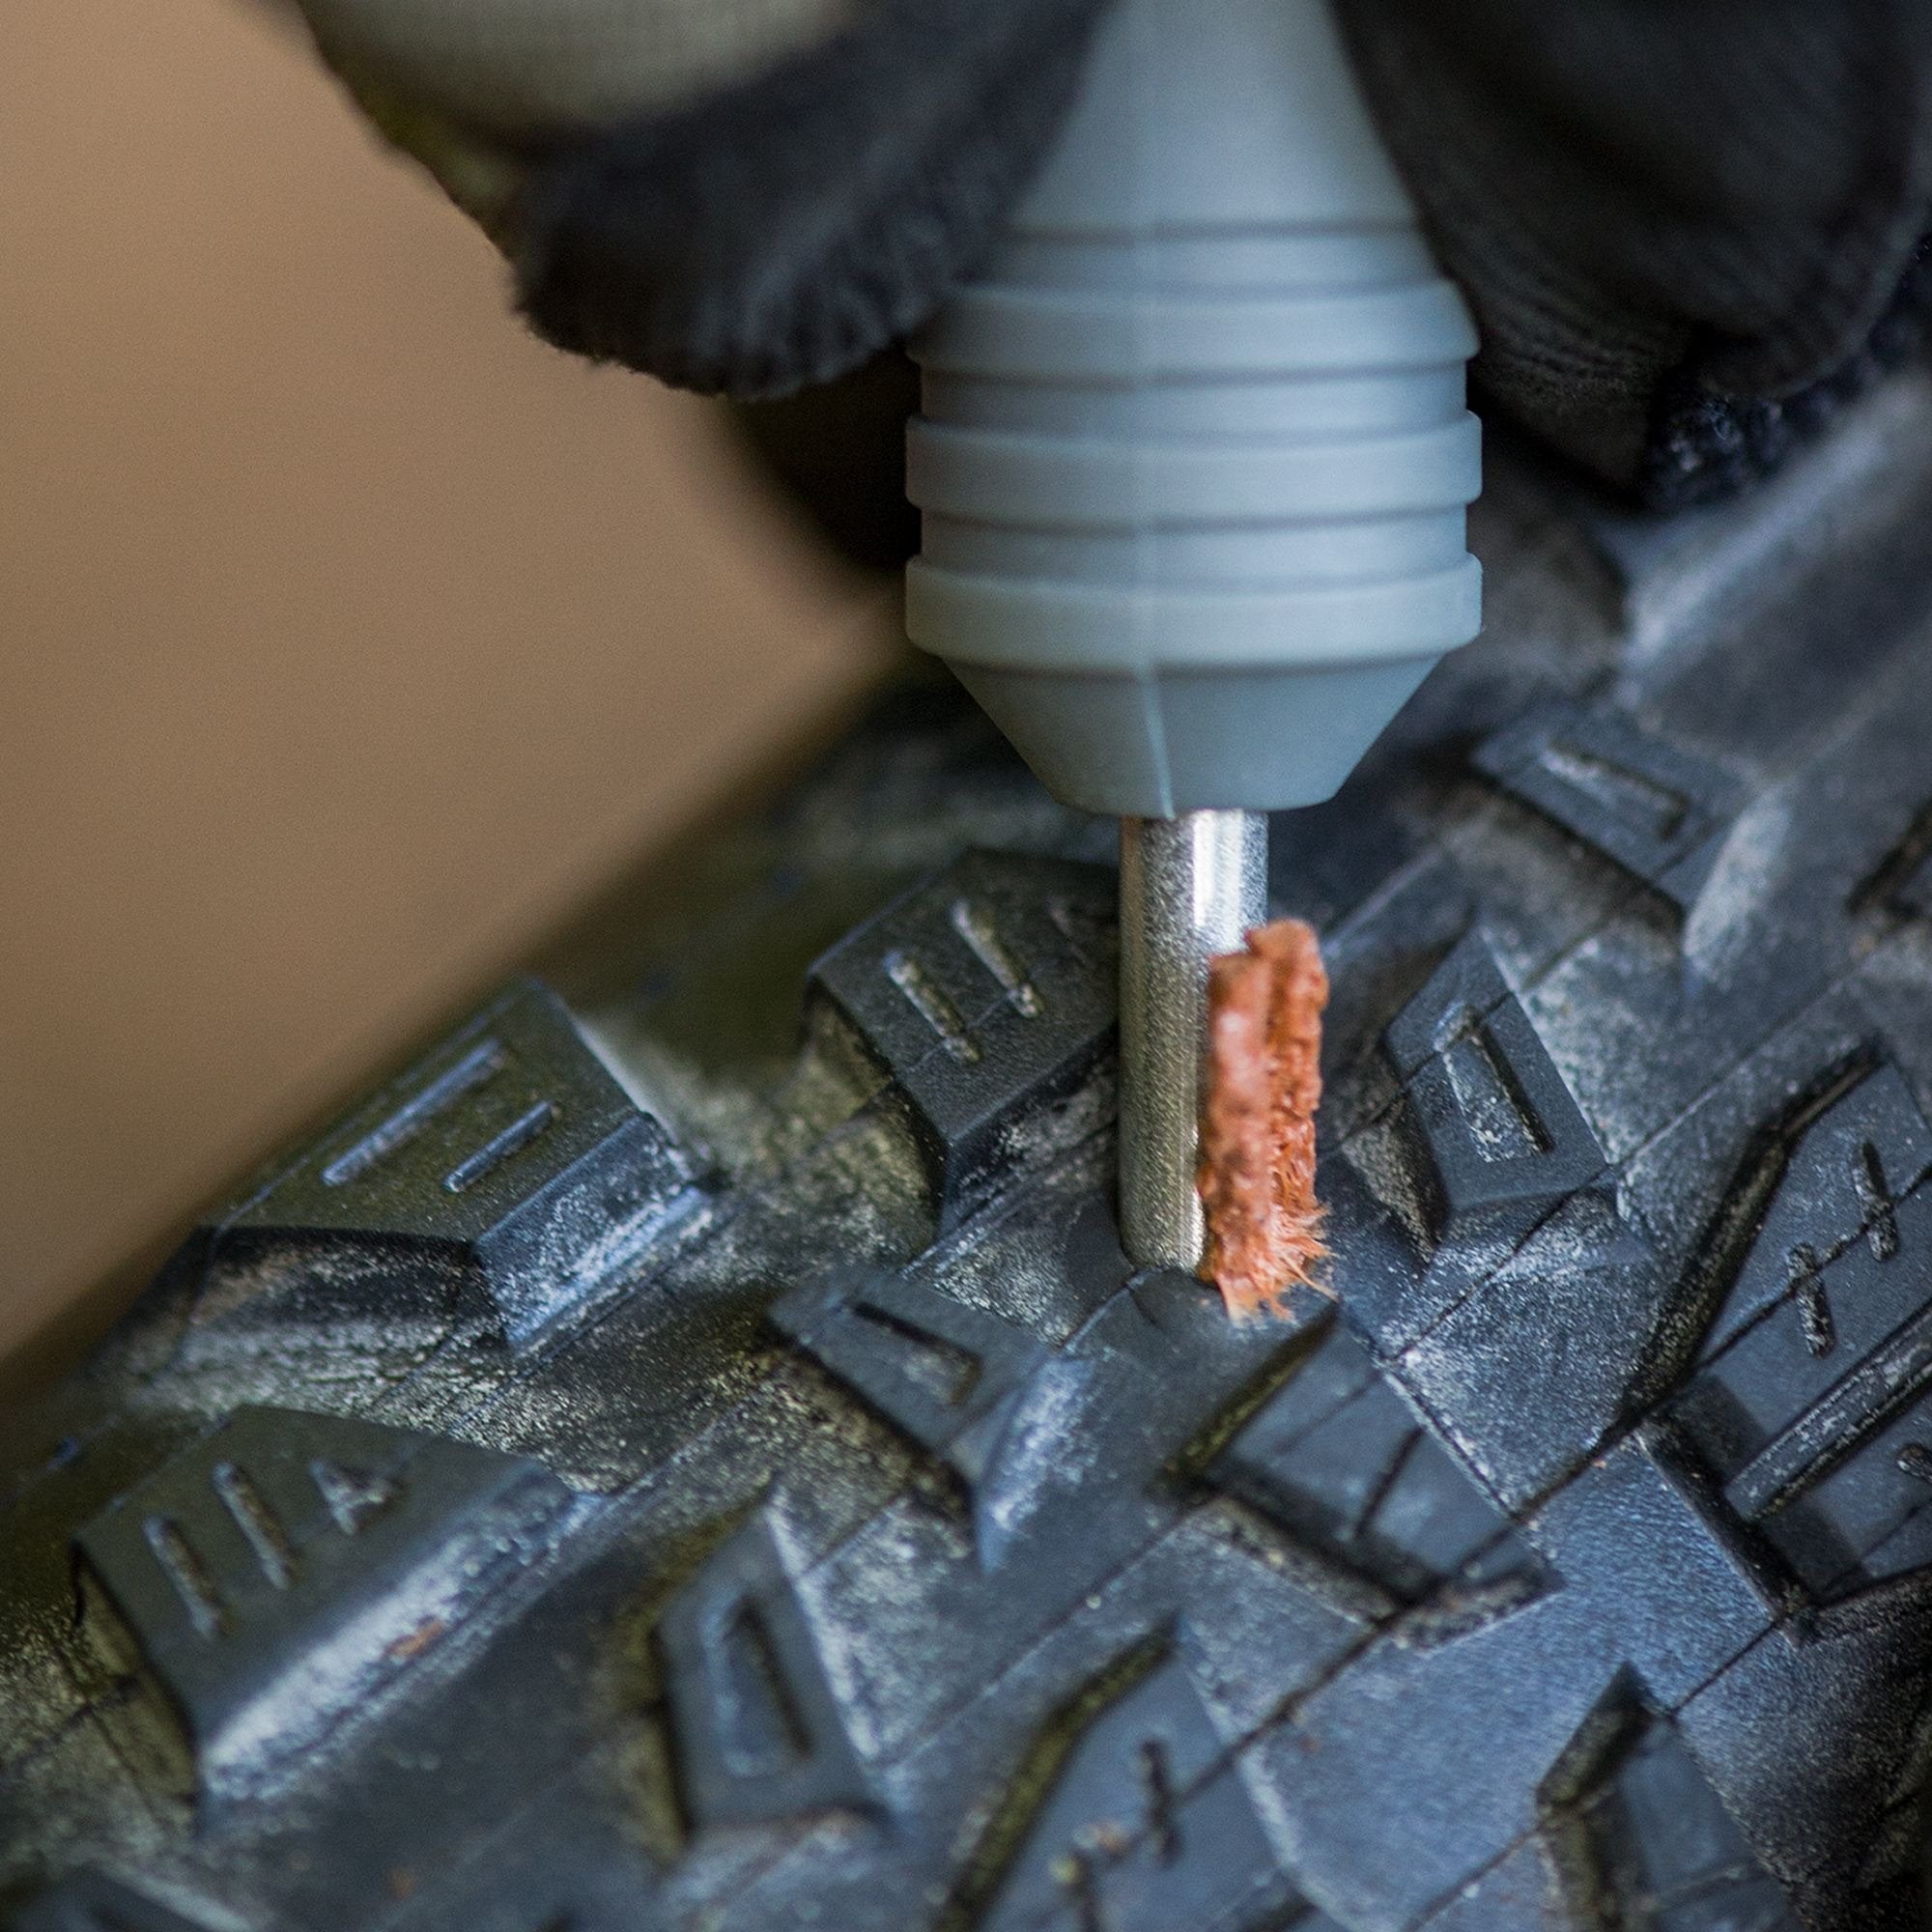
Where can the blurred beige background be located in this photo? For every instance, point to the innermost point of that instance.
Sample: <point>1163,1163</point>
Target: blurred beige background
<point>348,634</point>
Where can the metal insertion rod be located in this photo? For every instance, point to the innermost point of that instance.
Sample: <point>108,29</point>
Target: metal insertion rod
<point>1191,887</point>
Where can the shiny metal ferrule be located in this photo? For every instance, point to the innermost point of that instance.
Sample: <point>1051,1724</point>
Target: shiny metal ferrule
<point>1191,887</point>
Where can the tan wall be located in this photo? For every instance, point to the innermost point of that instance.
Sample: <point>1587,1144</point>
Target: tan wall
<point>346,632</point>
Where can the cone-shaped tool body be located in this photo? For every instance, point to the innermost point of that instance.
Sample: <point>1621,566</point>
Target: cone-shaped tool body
<point>1194,458</point>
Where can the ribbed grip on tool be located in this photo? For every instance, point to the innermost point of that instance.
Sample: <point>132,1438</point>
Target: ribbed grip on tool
<point>1194,459</point>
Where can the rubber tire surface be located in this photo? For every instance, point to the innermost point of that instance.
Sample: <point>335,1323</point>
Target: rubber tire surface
<point>660,1464</point>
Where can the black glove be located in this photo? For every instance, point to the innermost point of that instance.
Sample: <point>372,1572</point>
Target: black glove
<point>1687,228</point>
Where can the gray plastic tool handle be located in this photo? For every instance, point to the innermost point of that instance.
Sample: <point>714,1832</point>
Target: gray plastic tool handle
<point>1194,460</point>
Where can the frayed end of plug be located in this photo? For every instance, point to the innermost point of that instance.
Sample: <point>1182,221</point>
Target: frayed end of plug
<point>1257,1175</point>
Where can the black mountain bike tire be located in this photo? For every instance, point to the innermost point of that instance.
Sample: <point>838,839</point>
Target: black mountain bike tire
<point>658,1464</point>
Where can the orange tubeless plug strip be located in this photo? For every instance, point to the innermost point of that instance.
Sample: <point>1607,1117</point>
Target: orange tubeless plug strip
<point>1257,1175</point>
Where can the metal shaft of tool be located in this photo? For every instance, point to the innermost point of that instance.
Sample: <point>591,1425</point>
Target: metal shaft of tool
<point>1190,888</point>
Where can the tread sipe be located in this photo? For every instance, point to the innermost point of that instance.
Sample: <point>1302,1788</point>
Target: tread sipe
<point>689,1454</point>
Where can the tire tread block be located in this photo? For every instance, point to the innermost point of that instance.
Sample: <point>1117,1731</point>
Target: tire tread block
<point>1833,1179</point>
<point>1100,1465</point>
<point>1143,1827</point>
<point>1484,1142</point>
<point>977,1000</point>
<point>1648,1844</point>
<point>510,1146</point>
<point>1341,1462</point>
<point>759,1729</point>
<point>1813,1740</point>
<point>1531,1372</point>
<point>1656,811</point>
<point>267,1578</point>
<point>1813,1404</point>
<point>950,1376</point>
<point>1501,1131</point>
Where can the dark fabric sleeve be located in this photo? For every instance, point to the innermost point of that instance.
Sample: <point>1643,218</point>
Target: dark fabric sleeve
<point>1687,227</point>
<point>784,231</point>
